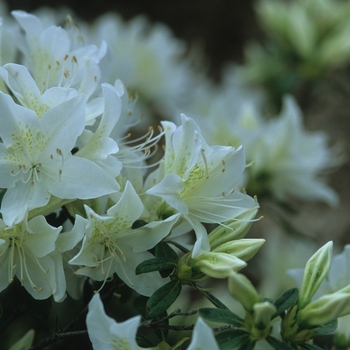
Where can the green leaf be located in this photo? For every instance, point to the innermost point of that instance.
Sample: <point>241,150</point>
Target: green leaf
<point>220,316</point>
<point>310,346</point>
<point>162,298</point>
<point>249,344</point>
<point>179,246</point>
<point>216,302</point>
<point>143,341</point>
<point>139,304</point>
<point>286,300</point>
<point>230,339</point>
<point>2,194</point>
<point>278,344</point>
<point>327,328</point>
<point>138,223</point>
<point>164,251</point>
<point>155,264</point>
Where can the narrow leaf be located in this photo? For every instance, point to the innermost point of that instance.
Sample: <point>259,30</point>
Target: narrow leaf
<point>278,344</point>
<point>221,316</point>
<point>155,264</point>
<point>249,344</point>
<point>230,339</point>
<point>286,300</point>
<point>163,297</point>
<point>216,302</point>
<point>143,341</point>
<point>164,251</point>
<point>310,346</point>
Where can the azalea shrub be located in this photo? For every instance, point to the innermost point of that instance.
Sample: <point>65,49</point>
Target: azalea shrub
<point>104,235</point>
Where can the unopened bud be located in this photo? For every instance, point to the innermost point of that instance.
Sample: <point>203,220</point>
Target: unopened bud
<point>243,291</point>
<point>218,265</point>
<point>243,249</point>
<point>262,314</point>
<point>324,309</point>
<point>315,271</point>
<point>232,230</point>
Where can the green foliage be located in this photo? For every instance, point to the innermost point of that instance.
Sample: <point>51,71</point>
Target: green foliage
<point>232,338</point>
<point>221,316</point>
<point>278,344</point>
<point>286,300</point>
<point>156,264</point>
<point>213,299</point>
<point>162,298</point>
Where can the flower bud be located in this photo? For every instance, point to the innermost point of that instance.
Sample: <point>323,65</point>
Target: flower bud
<point>232,230</point>
<point>316,270</point>
<point>324,309</point>
<point>243,249</point>
<point>243,291</point>
<point>218,265</point>
<point>262,314</point>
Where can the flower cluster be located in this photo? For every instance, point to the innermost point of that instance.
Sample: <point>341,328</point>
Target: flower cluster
<point>91,207</point>
<point>66,152</point>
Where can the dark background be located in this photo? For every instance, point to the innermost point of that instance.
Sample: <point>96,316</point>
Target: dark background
<point>221,27</point>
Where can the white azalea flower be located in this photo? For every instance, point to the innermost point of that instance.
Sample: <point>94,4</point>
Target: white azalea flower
<point>107,334</point>
<point>98,145</point>
<point>25,252</point>
<point>55,58</point>
<point>148,59</point>
<point>108,245</point>
<point>65,243</point>
<point>286,160</point>
<point>36,160</point>
<point>202,337</point>
<point>197,181</point>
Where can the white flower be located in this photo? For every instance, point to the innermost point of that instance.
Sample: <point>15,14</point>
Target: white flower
<point>286,160</point>
<point>147,58</point>
<point>98,146</point>
<point>107,334</point>
<point>65,243</point>
<point>56,57</point>
<point>197,181</point>
<point>25,252</point>
<point>36,160</point>
<point>109,241</point>
<point>202,337</point>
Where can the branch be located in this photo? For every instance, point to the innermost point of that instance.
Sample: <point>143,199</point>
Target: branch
<point>55,337</point>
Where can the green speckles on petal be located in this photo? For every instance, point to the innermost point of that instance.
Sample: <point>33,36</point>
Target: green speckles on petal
<point>194,180</point>
<point>121,344</point>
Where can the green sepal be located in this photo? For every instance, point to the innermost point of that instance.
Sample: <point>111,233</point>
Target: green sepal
<point>162,298</point>
<point>155,264</point>
<point>232,338</point>
<point>221,316</point>
<point>327,328</point>
<point>278,344</point>
<point>286,300</point>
